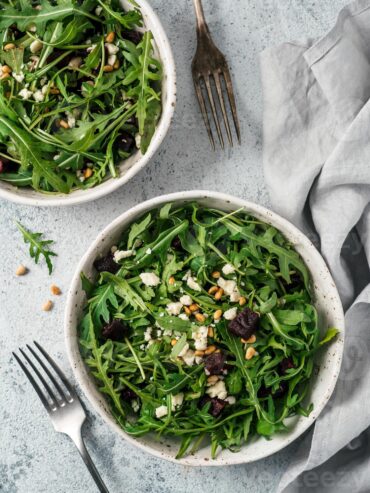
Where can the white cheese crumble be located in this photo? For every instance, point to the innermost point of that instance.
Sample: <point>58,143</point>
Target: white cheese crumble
<point>189,357</point>
<point>231,400</point>
<point>148,334</point>
<point>230,288</point>
<point>25,93</point>
<point>121,254</point>
<point>150,279</point>
<point>138,140</point>
<point>174,308</point>
<point>217,390</point>
<point>112,59</point>
<point>36,46</point>
<point>184,350</point>
<point>231,313</point>
<point>176,401</point>
<point>228,269</point>
<point>135,405</point>
<point>198,360</point>
<point>71,120</point>
<point>148,251</point>
<point>38,96</point>
<point>19,77</point>
<point>167,332</point>
<point>111,48</point>
<point>183,316</point>
<point>200,337</point>
<point>98,10</point>
<point>186,300</point>
<point>161,411</point>
<point>192,283</point>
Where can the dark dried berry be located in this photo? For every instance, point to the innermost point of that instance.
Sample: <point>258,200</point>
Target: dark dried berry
<point>106,264</point>
<point>263,392</point>
<point>133,36</point>
<point>216,407</point>
<point>124,142</point>
<point>286,364</point>
<point>244,324</point>
<point>7,166</point>
<point>128,394</point>
<point>116,330</point>
<point>295,283</point>
<point>176,243</point>
<point>215,363</point>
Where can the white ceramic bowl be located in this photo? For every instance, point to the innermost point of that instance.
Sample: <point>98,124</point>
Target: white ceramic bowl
<point>326,300</point>
<point>137,161</point>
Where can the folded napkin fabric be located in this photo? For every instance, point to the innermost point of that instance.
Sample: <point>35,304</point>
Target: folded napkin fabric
<point>317,169</point>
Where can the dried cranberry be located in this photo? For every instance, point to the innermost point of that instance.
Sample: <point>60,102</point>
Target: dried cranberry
<point>106,264</point>
<point>7,166</point>
<point>176,243</point>
<point>133,36</point>
<point>295,283</point>
<point>265,392</point>
<point>124,142</point>
<point>216,407</point>
<point>215,363</point>
<point>244,324</point>
<point>286,364</point>
<point>128,394</point>
<point>115,331</point>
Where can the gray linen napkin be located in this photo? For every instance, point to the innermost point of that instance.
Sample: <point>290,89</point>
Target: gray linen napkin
<point>317,169</point>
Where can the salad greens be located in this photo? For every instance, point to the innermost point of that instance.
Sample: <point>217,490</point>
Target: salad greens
<point>38,246</point>
<point>79,92</point>
<point>201,326</point>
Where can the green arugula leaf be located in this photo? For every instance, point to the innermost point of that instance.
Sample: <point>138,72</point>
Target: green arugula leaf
<point>38,247</point>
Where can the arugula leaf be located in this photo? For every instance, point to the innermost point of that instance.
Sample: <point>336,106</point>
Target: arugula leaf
<point>38,247</point>
<point>330,335</point>
<point>136,229</point>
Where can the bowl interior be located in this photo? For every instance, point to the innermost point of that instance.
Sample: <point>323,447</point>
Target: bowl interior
<point>129,167</point>
<point>327,303</point>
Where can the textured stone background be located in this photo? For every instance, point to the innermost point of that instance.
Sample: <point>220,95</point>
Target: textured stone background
<point>35,459</point>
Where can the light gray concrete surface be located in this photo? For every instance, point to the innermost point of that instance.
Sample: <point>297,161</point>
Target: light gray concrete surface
<point>35,459</point>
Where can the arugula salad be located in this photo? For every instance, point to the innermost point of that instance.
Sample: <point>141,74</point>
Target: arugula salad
<point>79,91</point>
<point>201,326</point>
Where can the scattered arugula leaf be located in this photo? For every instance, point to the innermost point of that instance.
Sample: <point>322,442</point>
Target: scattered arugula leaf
<point>38,246</point>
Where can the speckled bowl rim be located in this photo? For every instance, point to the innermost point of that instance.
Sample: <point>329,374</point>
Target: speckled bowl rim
<point>331,357</point>
<point>130,167</point>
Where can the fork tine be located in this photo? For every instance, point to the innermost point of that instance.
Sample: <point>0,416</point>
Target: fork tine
<point>214,111</point>
<point>33,383</point>
<point>56,369</point>
<point>221,100</point>
<point>230,92</point>
<point>41,378</point>
<point>49,374</point>
<point>203,109</point>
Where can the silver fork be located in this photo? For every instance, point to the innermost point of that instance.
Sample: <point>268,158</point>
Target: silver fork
<point>209,65</point>
<point>65,409</point>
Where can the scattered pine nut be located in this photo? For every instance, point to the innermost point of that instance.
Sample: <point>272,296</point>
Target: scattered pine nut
<point>88,172</point>
<point>107,68</point>
<point>210,332</point>
<point>210,350</point>
<point>250,353</point>
<point>213,290</point>
<point>4,76</point>
<point>212,379</point>
<point>5,69</point>
<point>198,352</point>
<point>55,290</point>
<point>187,311</point>
<point>242,301</point>
<point>47,306</point>
<point>200,317</point>
<point>110,37</point>
<point>219,294</point>
<point>173,342</point>
<point>21,270</point>
<point>171,280</point>
<point>216,275</point>
<point>63,124</point>
<point>252,339</point>
<point>217,315</point>
<point>194,307</point>
<point>9,46</point>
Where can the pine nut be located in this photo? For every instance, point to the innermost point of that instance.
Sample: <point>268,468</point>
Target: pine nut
<point>210,350</point>
<point>88,172</point>
<point>21,270</point>
<point>199,353</point>
<point>171,280</point>
<point>54,90</point>
<point>116,65</point>
<point>217,315</point>
<point>213,290</point>
<point>63,124</point>
<point>219,294</point>
<point>252,339</point>
<point>212,379</point>
<point>107,68</point>
<point>6,70</point>
<point>250,353</point>
<point>187,311</point>
<point>47,306</point>
<point>242,301</point>
<point>173,342</point>
<point>110,37</point>
<point>4,76</point>
<point>55,290</point>
<point>216,275</point>
<point>210,332</point>
<point>9,46</point>
<point>194,307</point>
<point>200,317</point>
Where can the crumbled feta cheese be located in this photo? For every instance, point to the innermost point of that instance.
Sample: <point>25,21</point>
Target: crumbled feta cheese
<point>230,288</point>
<point>121,254</point>
<point>112,59</point>
<point>231,313</point>
<point>91,48</point>
<point>228,269</point>
<point>44,90</point>
<point>43,81</point>
<point>19,77</point>
<point>142,347</point>
<point>148,334</point>
<point>114,248</point>
<point>25,93</point>
<point>217,390</point>
<point>111,48</point>
<point>70,119</point>
<point>231,400</point>
<point>161,411</point>
<point>174,308</point>
<point>184,350</point>
<point>135,405</point>
<point>191,282</point>
<point>235,297</point>
<point>98,10</point>
<point>200,337</point>
<point>167,332</point>
<point>183,316</point>
<point>138,140</point>
<point>186,300</point>
<point>189,357</point>
<point>198,360</point>
<point>150,279</point>
<point>187,275</point>
<point>36,46</point>
<point>32,28</point>
<point>148,251</point>
<point>38,96</point>
<point>176,400</point>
